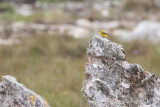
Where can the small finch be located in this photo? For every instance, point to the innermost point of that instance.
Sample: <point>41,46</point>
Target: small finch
<point>103,34</point>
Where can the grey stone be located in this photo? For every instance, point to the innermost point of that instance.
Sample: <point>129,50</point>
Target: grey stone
<point>14,94</point>
<point>113,82</point>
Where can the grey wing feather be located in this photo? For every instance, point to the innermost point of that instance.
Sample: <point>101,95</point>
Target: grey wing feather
<point>105,33</point>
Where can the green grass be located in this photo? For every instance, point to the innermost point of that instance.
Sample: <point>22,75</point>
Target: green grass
<point>142,6</point>
<point>53,66</point>
<point>6,7</point>
<point>58,0</point>
<point>56,16</point>
<point>144,53</point>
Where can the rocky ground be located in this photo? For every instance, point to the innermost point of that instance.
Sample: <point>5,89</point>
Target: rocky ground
<point>77,19</point>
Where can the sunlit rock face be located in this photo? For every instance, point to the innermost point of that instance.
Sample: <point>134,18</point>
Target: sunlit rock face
<point>14,94</point>
<point>113,82</point>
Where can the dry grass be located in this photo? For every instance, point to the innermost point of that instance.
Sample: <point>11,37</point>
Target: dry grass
<point>53,66</point>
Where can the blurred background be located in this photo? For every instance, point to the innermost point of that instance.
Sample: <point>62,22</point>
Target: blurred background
<point>43,42</point>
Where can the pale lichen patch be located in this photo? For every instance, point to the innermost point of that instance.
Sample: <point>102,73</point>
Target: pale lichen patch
<point>125,85</point>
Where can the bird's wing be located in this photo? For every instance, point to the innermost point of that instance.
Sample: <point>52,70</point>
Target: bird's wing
<point>105,33</point>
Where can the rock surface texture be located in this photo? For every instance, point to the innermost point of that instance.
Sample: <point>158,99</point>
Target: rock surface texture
<point>113,82</point>
<point>14,94</point>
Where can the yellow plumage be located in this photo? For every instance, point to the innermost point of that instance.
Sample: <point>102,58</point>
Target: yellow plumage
<point>103,34</point>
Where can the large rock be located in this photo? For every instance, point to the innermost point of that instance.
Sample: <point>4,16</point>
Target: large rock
<point>14,94</point>
<point>113,82</point>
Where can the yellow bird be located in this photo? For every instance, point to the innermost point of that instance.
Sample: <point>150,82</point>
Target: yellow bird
<point>103,34</point>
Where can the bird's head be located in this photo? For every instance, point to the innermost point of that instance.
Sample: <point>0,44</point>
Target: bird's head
<point>100,31</point>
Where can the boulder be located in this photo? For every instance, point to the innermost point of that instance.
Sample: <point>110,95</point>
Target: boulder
<point>14,94</point>
<point>113,82</point>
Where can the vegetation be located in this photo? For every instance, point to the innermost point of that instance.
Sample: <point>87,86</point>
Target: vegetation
<point>58,0</point>
<point>144,53</point>
<point>56,16</point>
<point>142,6</point>
<point>6,7</point>
<point>53,66</point>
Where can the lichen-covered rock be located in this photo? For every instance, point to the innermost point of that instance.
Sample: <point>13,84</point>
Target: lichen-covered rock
<point>14,94</point>
<point>113,82</point>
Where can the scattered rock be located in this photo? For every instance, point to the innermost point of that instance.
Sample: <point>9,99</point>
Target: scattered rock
<point>123,35</point>
<point>147,29</point>
<point>84,23</point>
<point>98,25</point>
<point>83,28</point>
<point>24,10</point>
